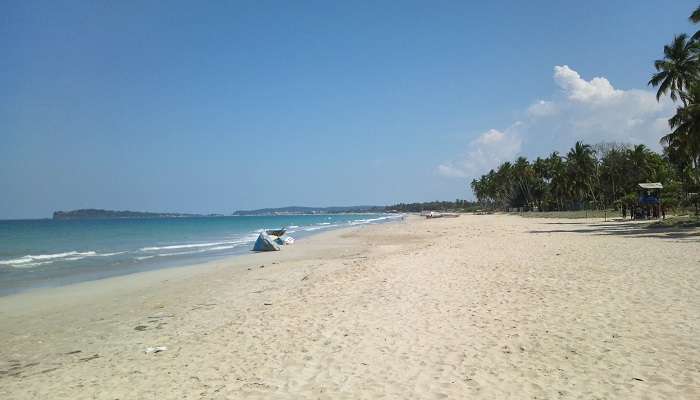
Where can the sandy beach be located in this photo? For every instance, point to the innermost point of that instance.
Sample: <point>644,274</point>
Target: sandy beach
<point>491,307</point>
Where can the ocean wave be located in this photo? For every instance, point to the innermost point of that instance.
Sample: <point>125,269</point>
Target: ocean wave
<point>208,249</point>
<point>32,264</point>
<point>192,245</point>
<point>28,259</point>
<point>110,254</point>
<point>222,247</point>
<point>316,228</point>
<point>179,253</point>
<point>370,220</point>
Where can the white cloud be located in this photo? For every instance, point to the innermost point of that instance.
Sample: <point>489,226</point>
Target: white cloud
<point>542,108</point>
<point>491,136</point>
<point>492,146</point>
<point>578,89</point>
<point>589,110</point>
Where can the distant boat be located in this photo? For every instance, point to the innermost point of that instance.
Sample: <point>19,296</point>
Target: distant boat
<point>434,214</point>
<point>276,232</point>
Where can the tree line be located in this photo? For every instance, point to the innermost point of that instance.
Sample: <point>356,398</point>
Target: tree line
<point>604,175</point>
<point>607,174</point>
<point>457,205</point>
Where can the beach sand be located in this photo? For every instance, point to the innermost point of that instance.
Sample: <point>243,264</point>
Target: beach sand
<point>492,307</point>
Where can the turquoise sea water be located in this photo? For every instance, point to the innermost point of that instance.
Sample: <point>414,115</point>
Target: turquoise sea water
<point>41,253</point>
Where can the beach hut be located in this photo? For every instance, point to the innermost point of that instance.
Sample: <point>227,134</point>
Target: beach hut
<point>649,200</point>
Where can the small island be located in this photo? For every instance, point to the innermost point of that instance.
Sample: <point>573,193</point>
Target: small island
<point>111,214</point>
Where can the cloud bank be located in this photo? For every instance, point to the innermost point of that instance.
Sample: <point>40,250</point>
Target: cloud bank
<point>589,110</point>
<point>491,147</point>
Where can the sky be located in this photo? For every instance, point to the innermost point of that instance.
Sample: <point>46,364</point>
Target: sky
<point>210,107</point>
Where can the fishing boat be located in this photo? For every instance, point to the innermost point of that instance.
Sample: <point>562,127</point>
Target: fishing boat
<point>433,214</point>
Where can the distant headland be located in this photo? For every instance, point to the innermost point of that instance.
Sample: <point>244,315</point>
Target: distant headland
<point>294,210</point>
<point>112,214</point>
<point>92,213</point>
<point>109,214</point>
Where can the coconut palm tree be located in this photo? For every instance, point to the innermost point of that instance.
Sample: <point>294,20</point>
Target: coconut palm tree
<point>639,169</point>
<point>678,69</point>
<point>613,174</point>
<point>581,165</point>
<point>695,18</point>
<point>523,174</point>
<point>684,138</point>
<point>559,184</point>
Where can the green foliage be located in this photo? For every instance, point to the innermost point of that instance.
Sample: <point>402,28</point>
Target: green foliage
<point>457,205</point>
<point>678,70</point>
<point>607,174</point>
<point>678,76</point>
<point>602,176</point>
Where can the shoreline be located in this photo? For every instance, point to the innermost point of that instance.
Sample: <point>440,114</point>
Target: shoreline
<point>140,280</point>
<point>492,306</point>
<point>70,277</point>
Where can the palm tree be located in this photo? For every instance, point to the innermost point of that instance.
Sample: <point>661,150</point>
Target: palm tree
<point>639,158</point>
<point>503,181</point>
<point>523,174</point>
<point>684,138</point>
<point>558,179</point>
<point>581,164</point>
<point>695,18</point>
<point>678,69</point>
<point>613,173</point>
<point>478,187</point>
<point>540,182</point>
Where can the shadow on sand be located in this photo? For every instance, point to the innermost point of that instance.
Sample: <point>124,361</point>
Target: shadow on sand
<point>629,229</point>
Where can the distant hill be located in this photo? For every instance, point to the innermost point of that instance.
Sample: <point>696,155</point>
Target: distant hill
<point>293,210</point>
<point>108,214</point>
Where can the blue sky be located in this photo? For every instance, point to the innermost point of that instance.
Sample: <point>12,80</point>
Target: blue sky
<point>217,106</point>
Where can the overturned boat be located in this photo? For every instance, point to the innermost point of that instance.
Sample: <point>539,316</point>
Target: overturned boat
<point>276,232</point>
<point>434,214</point>
<point>265,242</point>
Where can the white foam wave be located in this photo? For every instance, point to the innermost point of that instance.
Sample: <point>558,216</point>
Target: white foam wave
<point>179,253</point>
<point>29,259</point>
<point>231,245</point>
<point>110,254</point>
<point>315,228</point>
<point>194,245</point>
<point>180,246</point>
<point>32,264</point>
<point>371,220</point>
<point>221,248</point>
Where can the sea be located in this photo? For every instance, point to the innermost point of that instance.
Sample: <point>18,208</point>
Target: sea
<point>49,253</point>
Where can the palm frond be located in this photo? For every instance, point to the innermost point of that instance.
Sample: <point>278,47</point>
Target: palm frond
<point>695,16</point>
